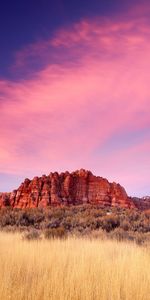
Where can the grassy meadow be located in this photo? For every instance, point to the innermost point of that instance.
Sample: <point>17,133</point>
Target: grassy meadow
<point>72,269</point>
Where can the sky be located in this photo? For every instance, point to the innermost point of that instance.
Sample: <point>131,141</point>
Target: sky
<point>75,90</point>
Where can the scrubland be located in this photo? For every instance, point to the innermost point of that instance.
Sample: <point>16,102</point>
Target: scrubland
<point>73,269</point>
<point>85,220</point>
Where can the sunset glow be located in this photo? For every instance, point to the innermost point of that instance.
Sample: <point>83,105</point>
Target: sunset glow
<point>80,98</point>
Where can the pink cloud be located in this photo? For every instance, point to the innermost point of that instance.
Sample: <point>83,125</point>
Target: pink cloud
<point>132,165</point>
<point>58,118</point>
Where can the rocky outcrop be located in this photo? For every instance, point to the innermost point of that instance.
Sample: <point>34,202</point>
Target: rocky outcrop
<point>142,203</point>
<point>74,188</point>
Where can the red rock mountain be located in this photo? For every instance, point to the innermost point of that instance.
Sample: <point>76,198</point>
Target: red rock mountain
<point>67,188</point>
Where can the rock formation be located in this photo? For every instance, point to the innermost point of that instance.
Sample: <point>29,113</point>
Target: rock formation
<point>142,203</point>
<point>74,188</point>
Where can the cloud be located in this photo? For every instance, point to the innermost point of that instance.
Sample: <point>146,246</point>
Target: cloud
<point>90,86</point>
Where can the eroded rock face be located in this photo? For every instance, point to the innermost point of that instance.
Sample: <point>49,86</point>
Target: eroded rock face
<point>74,188</point>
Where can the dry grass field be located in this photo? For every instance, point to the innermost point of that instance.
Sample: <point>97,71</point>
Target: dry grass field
<point>72,269</point>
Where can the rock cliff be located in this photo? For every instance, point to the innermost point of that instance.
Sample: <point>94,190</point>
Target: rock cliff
<point>74,188</point>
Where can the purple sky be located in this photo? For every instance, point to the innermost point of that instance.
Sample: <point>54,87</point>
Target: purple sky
<point>74,91</point>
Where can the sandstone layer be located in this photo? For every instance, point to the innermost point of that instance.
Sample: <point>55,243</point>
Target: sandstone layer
<point>74,188</point>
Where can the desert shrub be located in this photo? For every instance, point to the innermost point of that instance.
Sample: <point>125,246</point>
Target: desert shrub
<point>32,235</point>
<point>120,235</point>
<point>58,213</point>
<point>145,224</point>
<point>109,222</point>
<point>53,223</point>
<point>98,213</point>
<point>125,225</point>
<point>139,238</point>
<point>98,234</point>
<point>58,232</point>
<point>83,219</point>
<point>6,220</point>
<point>67,223</point>
<point>133,216</point>
<point>24,219</point>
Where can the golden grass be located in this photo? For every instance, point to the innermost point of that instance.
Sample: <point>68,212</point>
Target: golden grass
<point>72,269</point>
